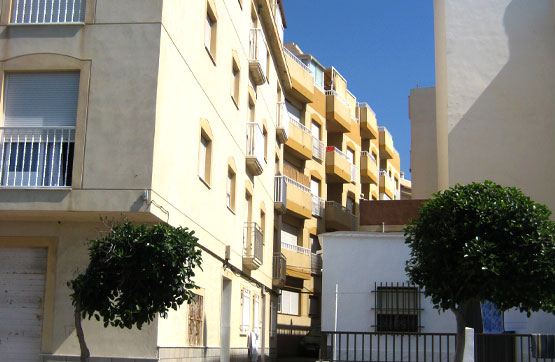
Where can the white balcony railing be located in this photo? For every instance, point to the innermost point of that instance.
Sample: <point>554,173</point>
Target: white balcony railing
<point>280,190</point>
<point>368,154</point>
<point>282,120</point>
<point>296,184</point>
<point>48,11</point>
<point>318,206</point>
<point>297,60</point>
<point>298,124</point>
<point>338,151</point>
<point>258,55</point>
<point>384,173</point>
<point>36,156</point>
<point>366,105</point>
<point>255,147</point>
<point>253,242</point>
<point>355,174</point>
<point>335,94</point>
<point>317,149</point>
<point>295,248</point>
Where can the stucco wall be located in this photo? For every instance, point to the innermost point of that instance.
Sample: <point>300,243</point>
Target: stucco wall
<point>500,87</point>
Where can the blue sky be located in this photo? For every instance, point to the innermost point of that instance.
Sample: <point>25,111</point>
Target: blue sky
<point>382,47</point>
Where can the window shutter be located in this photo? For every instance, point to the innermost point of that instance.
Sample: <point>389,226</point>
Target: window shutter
<point>289,234</point>
<point>40,99</point>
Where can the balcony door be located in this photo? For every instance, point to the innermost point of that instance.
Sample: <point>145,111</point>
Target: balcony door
<point>38,130</point>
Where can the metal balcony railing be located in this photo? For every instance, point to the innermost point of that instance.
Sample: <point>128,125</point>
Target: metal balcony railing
<point>48,11</point>
<point>282,121</point>
<point>297,60</point>
<point>253,242</point>
<point>36,156</point>
<point>337,205</point>
<point>355,174</point>
<point>318,206</point>
<point>316,263</point>
<point>255,147</point>
<point>279,268</point>
<point>317,149</point>
<point>338,151</point>
<point>298,124</point>
<point>368,154</point>
<point>295,248</point>
<point>384,173</point>
<point>366,105</point>
<point>280,191</point>
<point>334,93</point>
<point>258,57</point>
<point>296,184</point>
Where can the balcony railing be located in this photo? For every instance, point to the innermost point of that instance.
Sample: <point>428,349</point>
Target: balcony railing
<point>368,154</point>
<point>366,105</point>
<point>334,93</point>
<point>384,173</point>
<point>36,156</point>
<point>253,245</point>
<point>316,263</point>
<point>280,193</point>
<point>355,174</point>
<point>296,184</point>
<point>317,149</point>
<point>318,206</point>
<point>338,151</point>
<point>297,60</point>
<point>255,148</point>
<point>298,124</point>
<point>279,269</point>
<point>295,248</point>
<point>338,206</point>
<point>282,126</point>
<point>258,57</point>
<point>48,11</point>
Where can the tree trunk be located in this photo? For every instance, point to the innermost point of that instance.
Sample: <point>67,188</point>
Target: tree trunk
<point>460,341</point>
<point>85,354</point>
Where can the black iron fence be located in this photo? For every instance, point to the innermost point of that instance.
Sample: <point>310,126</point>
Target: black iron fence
<point>434,347</point>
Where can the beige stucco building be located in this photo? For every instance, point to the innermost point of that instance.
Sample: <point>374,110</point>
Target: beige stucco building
<point>492,108</point>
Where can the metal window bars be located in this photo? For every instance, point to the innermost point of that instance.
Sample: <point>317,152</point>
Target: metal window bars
<point>48,11</point>
<point>396,307</point>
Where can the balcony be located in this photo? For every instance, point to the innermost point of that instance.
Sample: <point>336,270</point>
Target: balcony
<point>368,168</point>
<point>298,260</point>
<point>387,151</point>
<point>352,103</point>
<point>255,149</point>
<point>301,77</point>
<point>298,200</point>
<point>387,185</point>
<point>316,263</point>
<point>338,113</point>
<point>253,247</point>
<point>280,194</point>
<point>338,166</point>
<point>339,217</point>
<point>258,56</point>
<point>279,270</point>
<point>355,174</point>
<point>317,149</point>
<point>318,207</point>
<point>48,11</point>
<point>39,157</point>
<point>300,139</point>
<point>282,123</point>
<point>368,122</point>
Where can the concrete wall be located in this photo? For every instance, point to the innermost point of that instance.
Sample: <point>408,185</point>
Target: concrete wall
<point>498,80</point>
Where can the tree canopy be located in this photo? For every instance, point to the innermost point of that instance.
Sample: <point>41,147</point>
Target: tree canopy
<point>136,273</point>
<point>483,242</point>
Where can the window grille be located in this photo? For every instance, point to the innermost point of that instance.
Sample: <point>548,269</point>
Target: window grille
<point>195,320</point>
<point>397,307</point>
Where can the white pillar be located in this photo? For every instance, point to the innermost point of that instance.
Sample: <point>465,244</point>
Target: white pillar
<point>468,355</point>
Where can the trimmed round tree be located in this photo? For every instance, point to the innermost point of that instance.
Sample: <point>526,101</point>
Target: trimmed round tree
<point>135,273</point>
<point>483,242</point>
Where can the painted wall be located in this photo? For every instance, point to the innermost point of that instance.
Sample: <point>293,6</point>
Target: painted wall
<point>499,84</point>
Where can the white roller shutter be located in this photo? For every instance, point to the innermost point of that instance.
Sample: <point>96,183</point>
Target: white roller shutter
<point>41,99</point>
<point>22,284</point>
<point>289,234</point>
<point>294,112</point>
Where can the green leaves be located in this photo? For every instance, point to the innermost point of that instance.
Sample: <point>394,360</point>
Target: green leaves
<point>137,272</point>
<point>487,242</point>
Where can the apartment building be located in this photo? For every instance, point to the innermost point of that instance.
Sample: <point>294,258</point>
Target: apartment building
<point>331,161</point>
<point>152,111</point>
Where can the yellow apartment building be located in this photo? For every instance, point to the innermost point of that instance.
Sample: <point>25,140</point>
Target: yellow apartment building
<point>152,111</point>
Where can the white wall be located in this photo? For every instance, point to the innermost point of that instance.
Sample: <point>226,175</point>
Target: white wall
<point>355,260</point>
<point>500,69</point>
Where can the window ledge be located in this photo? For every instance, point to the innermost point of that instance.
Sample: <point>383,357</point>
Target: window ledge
<point>234,101</point>
<point>210,55</point>
<point>230,209</point>
<point>204,182</point>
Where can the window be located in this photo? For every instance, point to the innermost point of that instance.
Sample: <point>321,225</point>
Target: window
<point>351,155</point>
<point>316,130</point>
<point>245,311</point>
<point>315,186</point>
<point>230,189</point>
<point>210,31</point>
<point>196,317</point>
<point>38,134</point>
<point>256,313</point>
<point>236,82</point>
<point>289,302</point>
<point>397,307</point>
<point>289,236</point>
<point>265,134</point>
<point>204,157</point>
<point>375,157</point>
<point>350,205</point>
<point>294,112</point>
<point>48,12</point>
